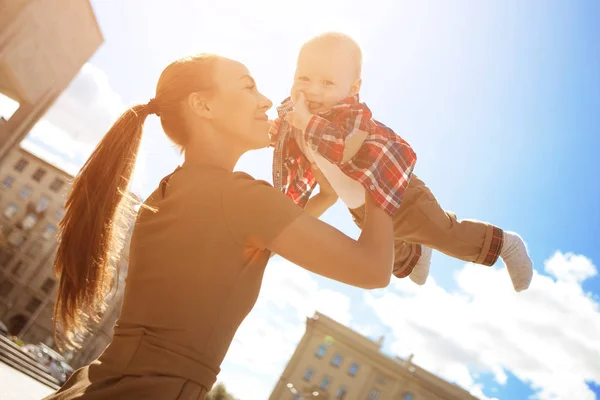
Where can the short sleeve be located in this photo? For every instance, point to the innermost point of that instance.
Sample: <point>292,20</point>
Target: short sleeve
<point>255,212</point>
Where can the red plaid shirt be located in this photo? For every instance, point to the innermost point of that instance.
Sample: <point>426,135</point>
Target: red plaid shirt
<point>383,164</point>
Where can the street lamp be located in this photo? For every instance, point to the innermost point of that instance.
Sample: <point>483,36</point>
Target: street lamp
<point>300,395</point>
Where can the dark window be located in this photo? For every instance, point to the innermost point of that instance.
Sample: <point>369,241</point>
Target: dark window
<point>57,184</point>
<point>18,269</point>
<point>48,285</point>
<point>34,249</point>
<point>38,174</point>
<point>353,369</point>
<point>21,164</point>
<point>5,257</point>
<point>341,394</point>
<point>6,287</point>
<point>33,305</point>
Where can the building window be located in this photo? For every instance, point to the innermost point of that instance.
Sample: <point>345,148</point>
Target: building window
<point>18,269</point>
<point>353,369</point>
<point>34,249</point>
<point>25,192</point>
<point>38,174</point>
<point>21,164</point>
<point>380,380</point>
<point>49,232</point>
<point>16,238</point>
<point>341,394</point>
<point>408,396</point>
<point>57,184</point>
<point>325,383</point>
<point>33,305</point>
<point>374,394</point>
<point>336,360</point>
<point>6,257</point>
<point>8,182</point>
<point>5,288</point>
<point>308,374</point>
<point>29,222</point>
<point>11,210</point>
<point>321,351</point>
<point>60,213</point>
<point>42,204</point>
<point>48,285</point>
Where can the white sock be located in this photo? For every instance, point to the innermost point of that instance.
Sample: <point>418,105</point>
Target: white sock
<point>517,260</point>
<point>420,272</point>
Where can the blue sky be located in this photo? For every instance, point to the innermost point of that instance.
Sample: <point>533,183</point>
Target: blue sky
<point>500,101</point>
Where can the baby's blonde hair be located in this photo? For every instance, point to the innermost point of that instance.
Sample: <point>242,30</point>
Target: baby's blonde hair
<point>339,39</point>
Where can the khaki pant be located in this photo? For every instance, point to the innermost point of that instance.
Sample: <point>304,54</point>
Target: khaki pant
<point>420,220</point>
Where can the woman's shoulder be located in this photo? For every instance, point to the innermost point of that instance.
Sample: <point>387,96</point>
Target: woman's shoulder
<point>243,178</point>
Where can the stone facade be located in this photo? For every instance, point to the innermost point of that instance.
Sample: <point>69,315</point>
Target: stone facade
<point>43,45</point>
<point>32,197</point>
<point>334,362</point>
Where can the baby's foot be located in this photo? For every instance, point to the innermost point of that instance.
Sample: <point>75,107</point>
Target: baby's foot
<point>420,271</point>
<point>518,263</point>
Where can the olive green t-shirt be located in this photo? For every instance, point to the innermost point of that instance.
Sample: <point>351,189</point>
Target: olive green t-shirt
<point>197,260</point>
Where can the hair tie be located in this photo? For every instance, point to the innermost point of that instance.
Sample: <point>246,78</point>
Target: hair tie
<point>152,107</point>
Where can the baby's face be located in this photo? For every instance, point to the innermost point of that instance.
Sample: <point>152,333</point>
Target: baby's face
<point>326,75</point>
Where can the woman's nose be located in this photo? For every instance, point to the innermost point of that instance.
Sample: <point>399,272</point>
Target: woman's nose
<point>265,103</point>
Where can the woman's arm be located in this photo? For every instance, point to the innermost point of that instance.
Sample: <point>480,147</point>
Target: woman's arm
<point>322,249</point>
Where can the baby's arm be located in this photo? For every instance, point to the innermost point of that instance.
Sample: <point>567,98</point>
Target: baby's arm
<point>322,201</point>
<point>340,139</point>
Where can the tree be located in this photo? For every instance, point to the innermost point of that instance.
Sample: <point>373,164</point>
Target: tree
<point>219,392</point>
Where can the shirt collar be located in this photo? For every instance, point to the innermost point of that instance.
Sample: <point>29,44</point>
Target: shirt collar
<point>288,105</point>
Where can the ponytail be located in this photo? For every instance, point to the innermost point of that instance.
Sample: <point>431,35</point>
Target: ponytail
<point>91,232</point>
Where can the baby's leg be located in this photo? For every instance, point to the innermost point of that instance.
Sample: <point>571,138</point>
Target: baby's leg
<point>410,259</point>
<point>421,219</point>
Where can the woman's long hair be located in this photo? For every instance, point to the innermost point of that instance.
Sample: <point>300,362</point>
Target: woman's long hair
<point>99,208</point>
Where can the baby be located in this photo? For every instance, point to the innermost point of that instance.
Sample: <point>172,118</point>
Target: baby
<point>324,125</point>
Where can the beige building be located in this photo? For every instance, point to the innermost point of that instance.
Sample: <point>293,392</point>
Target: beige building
<point>32,196</point>
<point>43,45</point>
<point>334,362</point>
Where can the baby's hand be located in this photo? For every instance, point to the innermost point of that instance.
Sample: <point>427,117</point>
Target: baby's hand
<point>273,129</point>
<point>300,117</point>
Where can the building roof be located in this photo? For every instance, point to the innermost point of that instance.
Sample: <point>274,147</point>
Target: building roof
<point>395,365</point>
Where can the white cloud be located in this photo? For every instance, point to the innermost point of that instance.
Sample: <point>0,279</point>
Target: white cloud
<point>80,117</point>
<point>267,338</point>
<point>547,336</point>
<point>88,107</point>
<point>570,267</point>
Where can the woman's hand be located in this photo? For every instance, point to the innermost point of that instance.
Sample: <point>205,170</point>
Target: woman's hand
<point>325,188</point>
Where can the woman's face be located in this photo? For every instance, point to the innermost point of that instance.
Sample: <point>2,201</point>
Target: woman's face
<point>238,109</point>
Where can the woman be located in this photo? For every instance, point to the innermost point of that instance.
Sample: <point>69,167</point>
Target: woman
<point>200,243</point>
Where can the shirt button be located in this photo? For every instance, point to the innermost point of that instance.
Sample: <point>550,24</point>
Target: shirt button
<point>372,187</point>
